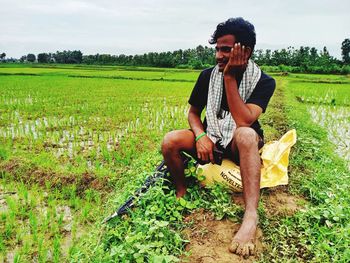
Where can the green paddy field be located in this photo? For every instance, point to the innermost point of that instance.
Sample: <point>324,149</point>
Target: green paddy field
<point>76,141</point>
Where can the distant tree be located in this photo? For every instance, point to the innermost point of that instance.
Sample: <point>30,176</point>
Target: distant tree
<point>43,58</point>
<point>31,57</point>
<point>51,58</point>
<point>2,56</point>
<point>280,57</point>
<point>345,51</point>
<point>75,57</point>
<point>313,55</point>
<point>59,57</point>
<point>208,56</point>
<point>23,58</point>
<point>200,53</point>
<point>325,52</point>
<point>301,56</point>
<point>89,59</point>
<point>268,59</point>
<point>11,60</point>
<point>324,58</point>
<point>70,57</point>
<point>258,56</point>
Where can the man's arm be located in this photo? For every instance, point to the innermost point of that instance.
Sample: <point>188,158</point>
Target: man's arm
<point>243,114</point>
<point>194,119</point>
<point>204,146</point>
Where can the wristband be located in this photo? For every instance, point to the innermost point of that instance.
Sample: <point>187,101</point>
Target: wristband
<point>200,136</point>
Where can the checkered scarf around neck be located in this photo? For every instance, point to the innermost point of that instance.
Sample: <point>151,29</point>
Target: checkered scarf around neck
<point>220,122</point>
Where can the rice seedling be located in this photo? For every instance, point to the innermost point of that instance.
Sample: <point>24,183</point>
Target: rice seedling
<point>336,121</point>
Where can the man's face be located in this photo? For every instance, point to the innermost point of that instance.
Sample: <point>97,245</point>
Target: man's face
<point>223,50</point>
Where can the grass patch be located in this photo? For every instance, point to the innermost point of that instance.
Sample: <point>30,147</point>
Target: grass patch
<point>317,232</point>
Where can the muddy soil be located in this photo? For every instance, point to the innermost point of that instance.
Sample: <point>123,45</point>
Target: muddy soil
<point>31,174</point>
<point>209,239</point>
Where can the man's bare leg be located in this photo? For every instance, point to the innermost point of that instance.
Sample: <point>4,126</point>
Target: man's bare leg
<point>246,142</point>
<point>174,142</point>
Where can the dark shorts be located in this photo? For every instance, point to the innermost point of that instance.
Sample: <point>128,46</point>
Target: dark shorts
<point>227,152</point>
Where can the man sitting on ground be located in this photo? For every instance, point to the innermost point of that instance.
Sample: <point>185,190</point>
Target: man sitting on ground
<point>235,92</point>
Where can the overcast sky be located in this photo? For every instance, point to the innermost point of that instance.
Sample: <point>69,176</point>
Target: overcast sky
<point>136,27</point>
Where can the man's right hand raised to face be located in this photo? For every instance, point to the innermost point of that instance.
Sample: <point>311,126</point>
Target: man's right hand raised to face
<point>238,60</point>
<point>205,148</point>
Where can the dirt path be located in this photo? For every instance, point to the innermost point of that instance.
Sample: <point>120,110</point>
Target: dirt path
<point>210,238</point>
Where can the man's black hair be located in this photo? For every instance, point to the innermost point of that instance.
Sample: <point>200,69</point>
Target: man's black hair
<point>243,31</point>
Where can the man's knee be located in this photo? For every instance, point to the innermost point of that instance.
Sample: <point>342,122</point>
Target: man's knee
<point>245,137</point>
<point>170,143</point>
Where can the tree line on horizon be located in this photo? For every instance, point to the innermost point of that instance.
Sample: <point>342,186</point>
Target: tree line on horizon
<point>302,59</point>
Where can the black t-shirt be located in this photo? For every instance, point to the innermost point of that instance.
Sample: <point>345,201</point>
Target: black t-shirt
<point>260,96</point>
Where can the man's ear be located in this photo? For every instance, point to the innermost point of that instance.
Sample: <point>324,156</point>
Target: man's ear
<point>248,52</point>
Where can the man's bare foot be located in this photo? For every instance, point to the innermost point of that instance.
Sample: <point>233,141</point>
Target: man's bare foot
<point>180,192</point>
<point>243,242</point>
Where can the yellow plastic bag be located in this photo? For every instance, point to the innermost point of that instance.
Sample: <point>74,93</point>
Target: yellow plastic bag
<point>274,171</point>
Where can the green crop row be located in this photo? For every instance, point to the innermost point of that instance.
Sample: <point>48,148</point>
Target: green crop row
<point>104,72</point>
